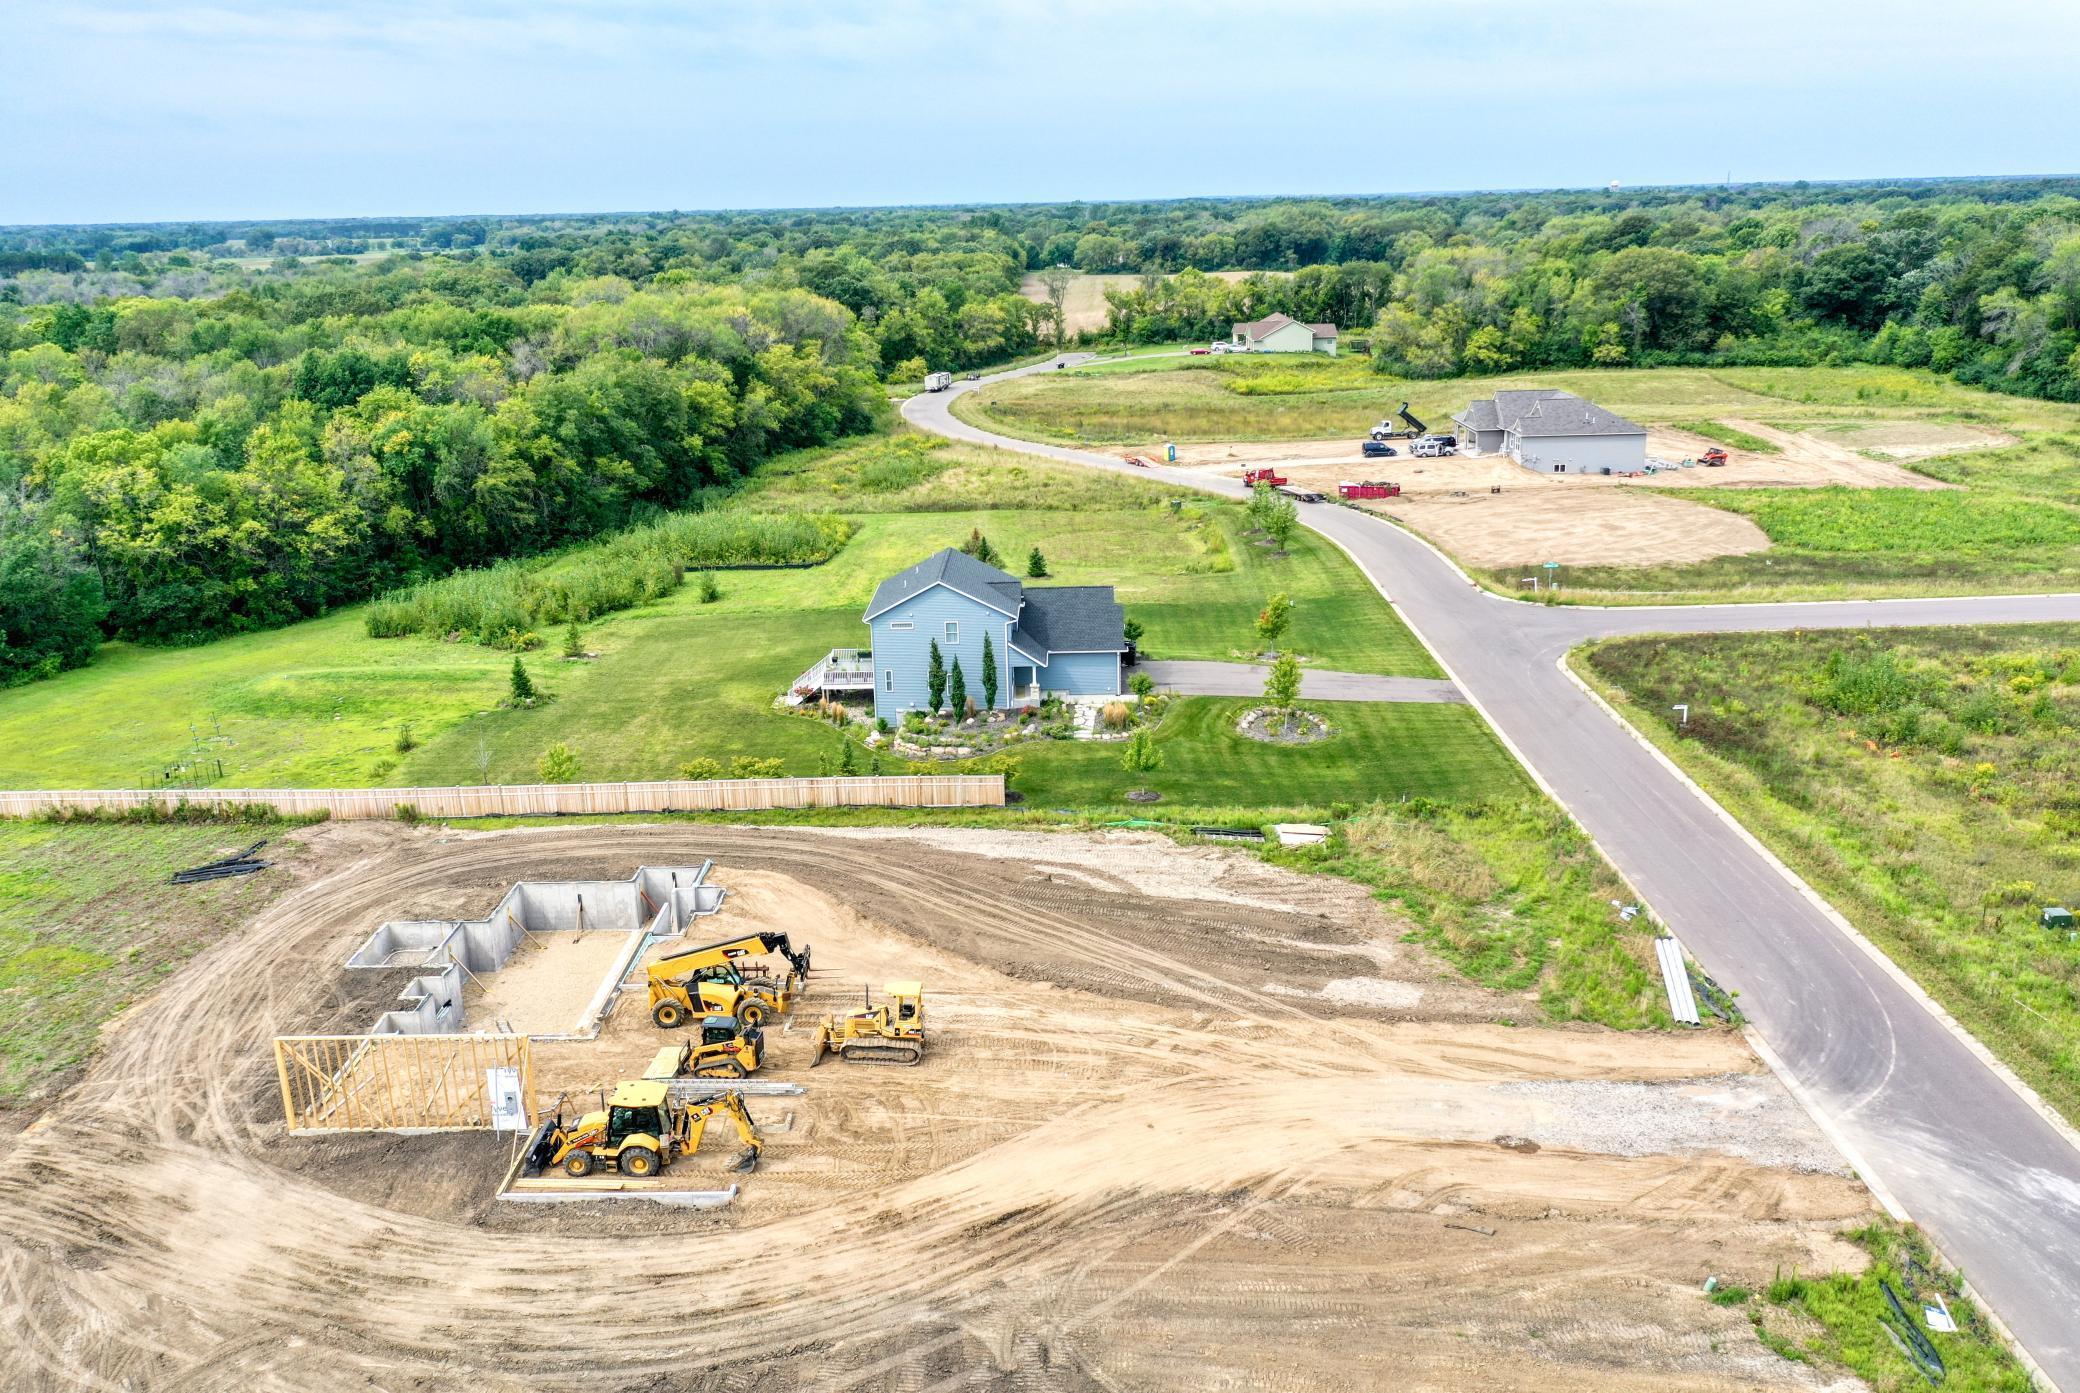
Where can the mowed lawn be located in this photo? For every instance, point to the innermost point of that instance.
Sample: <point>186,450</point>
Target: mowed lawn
<point>321,704</point>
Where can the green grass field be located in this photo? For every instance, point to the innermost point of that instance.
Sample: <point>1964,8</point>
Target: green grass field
<point>70,957</point>
<point>1924,781</point>
<point>1286,397</point>
<point>322,704</point>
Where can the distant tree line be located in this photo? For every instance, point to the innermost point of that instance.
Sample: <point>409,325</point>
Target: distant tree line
<point>215,427</point>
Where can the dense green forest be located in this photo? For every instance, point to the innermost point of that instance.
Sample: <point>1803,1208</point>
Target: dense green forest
<point>214,427</point>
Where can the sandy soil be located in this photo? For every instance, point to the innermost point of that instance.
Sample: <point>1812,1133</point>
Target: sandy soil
<point>544,988</point>
<point>1123,1147</point>
<point>1575,520</point>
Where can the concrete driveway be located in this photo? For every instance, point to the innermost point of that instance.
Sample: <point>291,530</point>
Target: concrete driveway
<point>1942,1132</point>
<point>1191,677</point>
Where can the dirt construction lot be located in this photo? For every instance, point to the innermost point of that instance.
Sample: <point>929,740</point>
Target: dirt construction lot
<point>1577,520</point>
<point>1186,1122</point>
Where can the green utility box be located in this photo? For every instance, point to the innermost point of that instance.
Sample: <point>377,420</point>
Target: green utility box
<point>2057,919</point>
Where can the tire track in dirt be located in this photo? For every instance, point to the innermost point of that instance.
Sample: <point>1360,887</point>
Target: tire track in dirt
<point>155,1240</point>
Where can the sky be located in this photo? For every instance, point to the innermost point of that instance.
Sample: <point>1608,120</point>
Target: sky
<point>152,110</point>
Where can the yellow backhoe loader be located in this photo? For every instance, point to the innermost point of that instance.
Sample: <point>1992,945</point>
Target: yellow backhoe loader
<point>891,1033</point>
<point>639,1132</point>
<point>725,1050</point>
<point>707,981</point>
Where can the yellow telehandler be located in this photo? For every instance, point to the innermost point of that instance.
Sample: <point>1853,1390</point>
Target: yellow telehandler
<point>891,1033</point>
<point>707,981</point>
<point>725,1050</point>
<point>639,1132</point>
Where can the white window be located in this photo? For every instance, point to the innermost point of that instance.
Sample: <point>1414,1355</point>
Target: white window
<point>953,631</point>
<point>901,624</point>
<point>888,679</point>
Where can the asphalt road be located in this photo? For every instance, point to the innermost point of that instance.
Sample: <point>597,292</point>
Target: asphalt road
<point>1931,1123</point>
<point>1190,677</point>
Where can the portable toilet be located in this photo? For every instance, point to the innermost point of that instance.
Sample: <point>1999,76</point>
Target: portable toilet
<point>1170,454</point>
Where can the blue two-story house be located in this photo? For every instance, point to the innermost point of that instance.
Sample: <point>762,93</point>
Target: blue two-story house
<point>1065,639</point>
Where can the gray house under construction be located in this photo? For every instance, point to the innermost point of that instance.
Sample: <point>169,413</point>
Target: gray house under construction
<point>1552,432</point>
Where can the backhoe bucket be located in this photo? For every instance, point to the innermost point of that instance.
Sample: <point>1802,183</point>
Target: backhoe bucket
<point>746,1162</point>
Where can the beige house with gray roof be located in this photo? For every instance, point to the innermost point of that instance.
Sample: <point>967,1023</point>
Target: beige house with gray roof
<point>1281,333</point>
<point>1552,432</point>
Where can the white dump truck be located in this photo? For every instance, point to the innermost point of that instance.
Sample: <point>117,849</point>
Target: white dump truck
<point>937,381</point>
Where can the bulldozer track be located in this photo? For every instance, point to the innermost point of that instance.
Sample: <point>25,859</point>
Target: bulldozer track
<point>1040,1196</point>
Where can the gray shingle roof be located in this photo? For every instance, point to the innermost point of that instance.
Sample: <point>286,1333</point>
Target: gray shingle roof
<point>958,571</point>
<point>1480,415</point>
<point>1544,412</point>
<point>1272,323</point>
<point>1071,619</point>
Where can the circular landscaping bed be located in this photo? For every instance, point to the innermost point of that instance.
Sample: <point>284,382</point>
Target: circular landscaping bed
<point>1275,725</point>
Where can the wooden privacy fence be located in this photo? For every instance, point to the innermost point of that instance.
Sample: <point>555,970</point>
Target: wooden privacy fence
<point>411,1083</point>
<point>494,800</point>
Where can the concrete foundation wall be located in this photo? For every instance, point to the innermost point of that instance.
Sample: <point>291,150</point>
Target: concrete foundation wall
<point>657,902</point>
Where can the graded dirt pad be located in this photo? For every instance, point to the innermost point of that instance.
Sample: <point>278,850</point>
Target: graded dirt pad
<point>1578,520</point>
<point>1576,527</point>
<point>1160,1140</point>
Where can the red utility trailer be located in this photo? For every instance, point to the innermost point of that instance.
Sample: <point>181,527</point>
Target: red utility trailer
<point>1369,488</point>
<point>1267,475</point>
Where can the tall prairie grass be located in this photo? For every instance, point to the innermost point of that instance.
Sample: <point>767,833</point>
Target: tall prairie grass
<point>507,604</point>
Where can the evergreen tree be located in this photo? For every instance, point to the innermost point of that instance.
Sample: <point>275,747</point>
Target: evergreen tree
<point>1036,565</point>
<point>523,685</point>
<point>1141,755</point>
<point>989,672</point>
<point>957,690</point>
<point>935,678</point>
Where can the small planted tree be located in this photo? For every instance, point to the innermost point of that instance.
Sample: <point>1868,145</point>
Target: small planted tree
<point>1282,687</point>
<point>1036,565</point>
<point>1141,755</point>
<point>1142,685</point>
<point>848,758</point>
<point>989,672</point>
<point>935,678</point>
<point>711,588</point>
<point>558,764</point>
<point>1282,517</point>
<point>978,547</point>
<point>957,688</point>
<point>523,685</point>
<point>1273,619</point>
<point>573,641</point>
<point>1131,631</point>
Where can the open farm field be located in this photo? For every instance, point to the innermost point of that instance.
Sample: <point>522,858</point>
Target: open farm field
<point>1922,780</point>
<point>1090,1166</point>
<point>1084,309</point>
<point>323,704</point>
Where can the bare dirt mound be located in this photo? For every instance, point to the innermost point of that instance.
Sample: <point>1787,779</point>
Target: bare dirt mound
<point>1124,1144</point>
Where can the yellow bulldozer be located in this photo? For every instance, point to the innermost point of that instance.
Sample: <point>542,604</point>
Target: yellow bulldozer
<point>707,981</point>
<point>639,1132</point>
<point>891,1033</point>
<point>726,1049</point>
